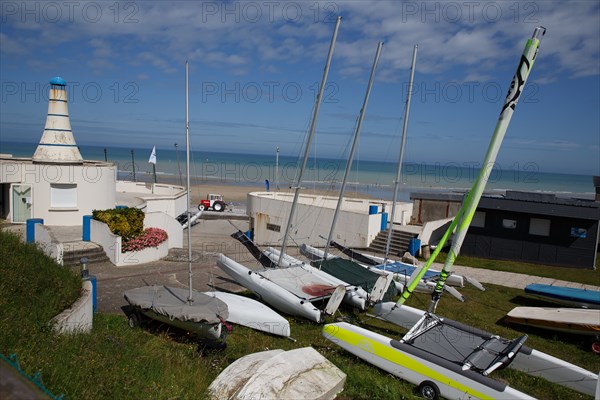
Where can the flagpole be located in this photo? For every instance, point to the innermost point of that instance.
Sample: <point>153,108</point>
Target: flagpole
<point>190,298</point>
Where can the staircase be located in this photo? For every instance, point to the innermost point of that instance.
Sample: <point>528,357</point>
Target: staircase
<point>74,251</point>
<point>398,244</point>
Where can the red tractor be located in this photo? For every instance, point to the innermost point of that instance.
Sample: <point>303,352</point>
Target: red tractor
<point>213,202</point>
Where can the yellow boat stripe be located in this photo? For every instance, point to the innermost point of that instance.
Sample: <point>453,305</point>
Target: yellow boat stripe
<point>395,356</point>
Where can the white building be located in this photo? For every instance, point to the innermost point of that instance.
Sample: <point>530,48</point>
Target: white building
<point>56,184</point>
<point>357,225</point>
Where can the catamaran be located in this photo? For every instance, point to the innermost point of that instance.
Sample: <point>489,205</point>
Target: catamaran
<point>442,357</point>
<point>295,289</point>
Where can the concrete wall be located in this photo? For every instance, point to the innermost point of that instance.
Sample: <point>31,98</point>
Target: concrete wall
<point>48,243</point>
<point>163,221</point>
<point>314,215</point>
<point>95,182</point>
<point>112,244</point>
<point>170,199</point>
<point>79,317</point>
<point>434,230</point>
<point>431,210</point>
<point>149,188</point>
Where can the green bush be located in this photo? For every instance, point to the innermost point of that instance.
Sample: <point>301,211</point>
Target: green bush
<point>125,222</point>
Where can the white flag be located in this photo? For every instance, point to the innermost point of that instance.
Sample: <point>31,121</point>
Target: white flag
<point>152,159</point>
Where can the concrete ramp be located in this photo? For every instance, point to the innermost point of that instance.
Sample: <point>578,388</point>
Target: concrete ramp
<point>295,374</point>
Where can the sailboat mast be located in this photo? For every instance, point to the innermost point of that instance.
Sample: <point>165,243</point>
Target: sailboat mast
<point>187,183</point>
<point>309,139</point>
<point>464,216</point>
<point>353,148</point>
<point>472,200</point>
<point>401,156</point>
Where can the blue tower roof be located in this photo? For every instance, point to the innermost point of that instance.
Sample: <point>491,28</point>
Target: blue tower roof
<point>57,80</point>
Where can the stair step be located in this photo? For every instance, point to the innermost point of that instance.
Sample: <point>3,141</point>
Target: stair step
<point>398,244</point>
<point>74,251</point>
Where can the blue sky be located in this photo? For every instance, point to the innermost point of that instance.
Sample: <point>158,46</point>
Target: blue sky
<point>255,67</point>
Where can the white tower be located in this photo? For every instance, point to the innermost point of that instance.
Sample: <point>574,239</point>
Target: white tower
<point>57,144</point>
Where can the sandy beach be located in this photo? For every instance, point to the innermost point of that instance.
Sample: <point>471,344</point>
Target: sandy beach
<point>236,192</point>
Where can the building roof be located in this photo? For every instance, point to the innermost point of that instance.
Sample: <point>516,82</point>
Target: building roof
<point>525,202</point>
<point>57,80</point>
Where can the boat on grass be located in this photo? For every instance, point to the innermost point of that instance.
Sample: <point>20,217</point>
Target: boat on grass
<point>531,361</point>
<point>578,321</point>
<point>294,291</point>
<point>277,374</point>
<point>443,358</point>
<point>252,314</point>
<point>186,309</point>
<point>363,274</point>
<point>203,317</point>
<point>565,295</point>
<point>271,259</point>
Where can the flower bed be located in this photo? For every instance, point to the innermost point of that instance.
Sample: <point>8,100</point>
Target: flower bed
<point>150,237</point>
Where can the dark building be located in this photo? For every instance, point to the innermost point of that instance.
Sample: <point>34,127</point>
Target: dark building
<point>529,227</point>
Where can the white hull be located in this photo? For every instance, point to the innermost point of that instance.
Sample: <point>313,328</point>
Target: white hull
<point>355,295</point>
<point>247,312</point>
<point>570,320</point>
<point>295,374</point>
<point>533,362</point>
<point>268,291</point>
<point>377,350</point>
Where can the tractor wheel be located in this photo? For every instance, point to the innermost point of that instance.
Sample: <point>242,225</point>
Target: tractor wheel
<point>218,206</point>
<point>201,207</point>
<point>429,390</point>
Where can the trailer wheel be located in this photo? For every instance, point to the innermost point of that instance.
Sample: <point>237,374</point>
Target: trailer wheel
<point>134,320</point>
<point>201,207</point>
<point>218,206</point>
<point>429,390</point>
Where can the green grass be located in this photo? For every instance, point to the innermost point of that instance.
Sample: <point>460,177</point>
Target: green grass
<point>117,362</point>
<point>587,276</point>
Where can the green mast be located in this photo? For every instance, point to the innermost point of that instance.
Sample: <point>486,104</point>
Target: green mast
<point>463,219</point>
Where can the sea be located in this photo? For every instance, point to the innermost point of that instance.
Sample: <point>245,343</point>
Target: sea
<point>372,178</point>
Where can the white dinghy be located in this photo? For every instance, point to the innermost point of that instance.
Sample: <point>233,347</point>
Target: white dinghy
<point>579,321</point>
<point>276,374</point>
<point>252,314</point>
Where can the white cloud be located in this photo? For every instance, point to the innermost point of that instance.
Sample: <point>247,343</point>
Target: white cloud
<point>468,35</point>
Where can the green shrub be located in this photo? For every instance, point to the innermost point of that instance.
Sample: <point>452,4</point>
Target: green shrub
<point>125,222</point>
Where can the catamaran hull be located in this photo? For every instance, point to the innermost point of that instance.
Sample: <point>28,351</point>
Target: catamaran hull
<point>202,330</point>
<point>355,295</point>
<point>451,382</point>
<point>247,312</point>
<point>268,291</point>
<point>528,360</point>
